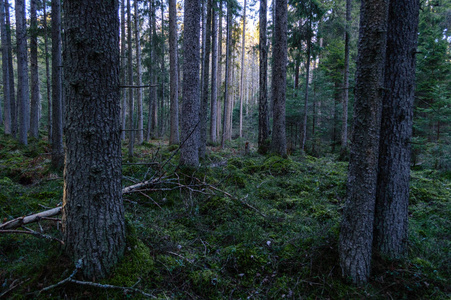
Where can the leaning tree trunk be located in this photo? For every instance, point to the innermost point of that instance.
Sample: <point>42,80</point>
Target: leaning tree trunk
<point>189,152</point>
<point>57,102</point>
<point>279,79</point>
<point>6,78</point>
<point>390,228</point>
<point>356,236</point>
<point>35,95</point>
<point>214,73</point>
<point>139,91</point>
<point>174,136</point>
<point>93,213</point>
<point>22,72</point>
<point>263,116</point>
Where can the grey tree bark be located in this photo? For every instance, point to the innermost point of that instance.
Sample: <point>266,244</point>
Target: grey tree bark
<point>139,92</point>
<point>206,83</point>
<point>263,116</point>
<point>47,74</point>
<point>35,94</point>
<point>243,49</point>
<point>5,72</point>
<point>391,220</point>
<point>93,213</point>
<point>356,236</point>
<point>189,152</point>
<point>57,102</point>
<point>123,72</point>
<point>279,79</point>
<point>23,97</point>
<point>226,127</point>
<point>344,119</point>
<point>161,118</point>
<point>153,57</point>
<point>13,104</point>
<point>131,104</point>
<point>174,136</point>
<point>214,72</point>
<point>219,84</point>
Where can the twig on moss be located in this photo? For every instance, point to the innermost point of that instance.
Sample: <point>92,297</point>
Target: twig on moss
<point>12,287</point>
<point>32,232</point>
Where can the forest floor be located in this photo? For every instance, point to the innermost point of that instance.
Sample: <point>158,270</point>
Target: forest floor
<point>238,227</point>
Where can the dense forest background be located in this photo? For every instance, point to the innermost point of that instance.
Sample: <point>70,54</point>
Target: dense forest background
<point>242,223</point>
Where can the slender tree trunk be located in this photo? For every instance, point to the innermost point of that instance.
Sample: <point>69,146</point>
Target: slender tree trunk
<point>22,72</point>
<point>93,213</point>
<point>356,236</point>
<point>47,74</point>
<point>214,68</point>
<point>57,104</point>
<point>174,137</point>
<point>219,85</point>
<point>344,119</point>
<point>337,99</point>
<point>153,55</point>
<point>161,118</point>
<point>204,103</point>
<point>307,79</point>
<point>243,49</point>
<point>263,115</point>
<point>35,95</point>
<point>131,104</point>
<point>123,72</point>
<point>390,230</point>
<point>6,78</point>
<point>139,91</point>
<point>279,79</point>
<point>13,104</point>
<point>189,152</point>
<point>226,123</point>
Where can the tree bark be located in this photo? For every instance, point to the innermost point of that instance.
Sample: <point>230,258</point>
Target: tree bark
<point>391,220</point>
<point>161,118</point>
<point>153,57</point>
<point>214,73</point>
<point>174,137</point>
<point>93,213</point>
<point>263,115</point>
<point>344,119</point>
<point>306,95</point>
<point>356,236</point>
<point>47,74</point>
<point>6,78</point>
<point>57,104</point>
<point>131,104</point>
<point>139,92</point>
<point>243,49</point>
<point>22,72</point>
<point>219,84</point>
<point>226,128</point>
<point>123,72</point>
<point>189,152</point>
<point>35,95</point>
<point>279,78</point>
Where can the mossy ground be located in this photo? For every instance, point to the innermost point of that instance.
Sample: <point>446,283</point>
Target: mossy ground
<point>275,238</point>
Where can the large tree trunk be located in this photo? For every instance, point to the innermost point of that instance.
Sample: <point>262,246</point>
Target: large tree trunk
<point>189,152</point>
<point>139,91</point>
<point>356,236</point>
<point>174,137</point>
<point>35,95</point>
<point>219,84</point>
<point>226,128</point>
<point>57,104</point>
<point>204,102</point>
<point>243,49</point>
<point>390,230</point>
<point>344,119</point>
<point>13,106</point>
<point>22,72</point>
<point>47,74</point>
<point>214,68</point>
<point>263,115</point>
<point>6,78</point>
<point>123,73</point>
<point>93,212</point>
<point>279,79</point>
<point>131,104</point>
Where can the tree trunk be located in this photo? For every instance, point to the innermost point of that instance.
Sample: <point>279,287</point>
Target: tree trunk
<point>226,120</point>
<point>263,115</point>
<point>356,236</point>
<point>219,85</point>
<point>22,72</point>
<point>6,78</point>
<point>131,104</point>
<point>123,73</point>
<point>47,74</point>
<point>243,49</point>
<point>57,104</point>
<point>93,213</point>
<point>390,230</point>
<point>174,137</point>
<point>204,103</point>
<point>161,118</point>
<point>214,68</point>
<point>344,119</point>
<point>35,95</point>
<point>13,106</point>
<point>139,91</point>
<point>279,79</point>
<point>189,152</point>
<point>153,57</point>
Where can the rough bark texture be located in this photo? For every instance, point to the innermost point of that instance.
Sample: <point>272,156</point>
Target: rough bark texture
<point>356,234</point>
<point>344,119</point>
<point>131,104</point>
<point>57,102</point>
<point>279,79</point>
<point>226,127</point>
<point>243,49</point>
<point>174,136</point>
<point>161,119</point>
<point>23,97</point>
<point>11,72</point>
<point>5,71</point>
<point>219,85</point>
<point>47,74</point>
<point>123,73</point>
<point>214,73</point>
<point>153,51</point>
<point>35,95</point>
<point>189,152</point>
<point>93,213</point>
<point>139,92</point>
<point>263,116</point>
<point>206,83</point>
<point>390,230</point>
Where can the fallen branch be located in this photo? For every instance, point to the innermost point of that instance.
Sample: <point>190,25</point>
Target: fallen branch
<point>32,232</point>
<point>18,222</point>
